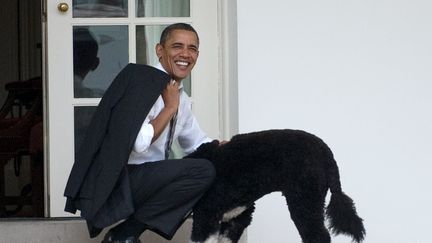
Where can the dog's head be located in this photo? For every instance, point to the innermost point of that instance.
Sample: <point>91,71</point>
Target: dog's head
<point>205,151</point>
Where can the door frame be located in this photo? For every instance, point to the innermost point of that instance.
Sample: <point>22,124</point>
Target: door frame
<point>225,73</point>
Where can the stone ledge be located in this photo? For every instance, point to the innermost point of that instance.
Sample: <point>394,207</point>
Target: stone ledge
<point>71,230</point>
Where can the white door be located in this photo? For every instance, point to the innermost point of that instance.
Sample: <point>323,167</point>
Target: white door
<point>89,42</point>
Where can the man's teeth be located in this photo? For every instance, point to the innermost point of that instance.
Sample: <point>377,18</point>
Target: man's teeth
<point>181,63</point>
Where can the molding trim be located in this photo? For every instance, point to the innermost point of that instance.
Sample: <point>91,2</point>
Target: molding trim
<point>228,76</point>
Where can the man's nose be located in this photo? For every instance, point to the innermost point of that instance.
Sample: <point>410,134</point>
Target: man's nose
<point>185,52</point>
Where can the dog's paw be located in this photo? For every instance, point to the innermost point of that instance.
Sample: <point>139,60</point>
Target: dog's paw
<point>211,239</point>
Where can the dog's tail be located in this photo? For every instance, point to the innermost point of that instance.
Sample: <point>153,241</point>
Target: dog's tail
<point>341,212</point>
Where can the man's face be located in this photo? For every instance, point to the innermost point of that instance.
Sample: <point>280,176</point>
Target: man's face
<point>179,53</point>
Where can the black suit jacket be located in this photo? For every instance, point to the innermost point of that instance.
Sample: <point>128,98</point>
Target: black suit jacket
<point>98,184</point>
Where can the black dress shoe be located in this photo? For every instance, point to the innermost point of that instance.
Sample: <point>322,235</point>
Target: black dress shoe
<point>110,239</point>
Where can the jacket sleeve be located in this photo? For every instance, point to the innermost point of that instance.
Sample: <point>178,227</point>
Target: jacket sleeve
<point>97,131</point>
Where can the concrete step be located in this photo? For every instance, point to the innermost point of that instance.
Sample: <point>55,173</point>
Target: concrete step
<point>71,230</point>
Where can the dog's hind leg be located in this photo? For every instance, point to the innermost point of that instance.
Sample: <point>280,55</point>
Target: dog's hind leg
<point>307,212</point>
<point>205,227</point>
<point>232,229</point>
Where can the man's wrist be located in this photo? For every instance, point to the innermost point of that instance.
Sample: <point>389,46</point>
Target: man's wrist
<point>170,110</point>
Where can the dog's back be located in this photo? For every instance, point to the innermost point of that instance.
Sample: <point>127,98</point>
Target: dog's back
<point>288,153</point>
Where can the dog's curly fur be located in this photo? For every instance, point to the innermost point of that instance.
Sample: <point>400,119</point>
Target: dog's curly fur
<point>297,163</point>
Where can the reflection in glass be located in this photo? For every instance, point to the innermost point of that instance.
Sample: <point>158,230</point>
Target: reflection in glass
<point>99,8</point>
<point>162,8</point>
<point>82,118</point>
<point>146,39</point>
<point>100,52</point>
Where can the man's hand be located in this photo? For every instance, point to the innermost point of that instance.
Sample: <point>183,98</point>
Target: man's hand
<point>171,95</point>
<point>171,98</point>
<point>223,142</point>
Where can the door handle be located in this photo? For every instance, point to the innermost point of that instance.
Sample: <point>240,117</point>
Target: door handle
<point>63,7</point>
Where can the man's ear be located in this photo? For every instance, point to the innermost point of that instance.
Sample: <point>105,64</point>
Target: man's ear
<point>159,50</point>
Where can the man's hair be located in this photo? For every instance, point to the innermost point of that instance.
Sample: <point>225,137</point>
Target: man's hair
<point>177,26</point>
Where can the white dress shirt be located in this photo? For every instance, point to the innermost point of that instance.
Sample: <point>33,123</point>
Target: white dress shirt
<point>187,131</point>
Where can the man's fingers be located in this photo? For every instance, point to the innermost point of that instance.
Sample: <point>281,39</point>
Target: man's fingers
<point>172,84</point>
<point>223,142</point>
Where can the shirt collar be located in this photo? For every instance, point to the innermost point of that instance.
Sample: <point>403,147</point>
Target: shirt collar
<point>160,67</point>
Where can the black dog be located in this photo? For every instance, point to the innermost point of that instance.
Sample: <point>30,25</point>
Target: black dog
<point>298,164</point>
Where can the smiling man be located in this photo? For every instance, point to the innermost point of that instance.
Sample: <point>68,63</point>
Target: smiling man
<point>178,50</point>
<point>165,190</point>
<point>122,170</point>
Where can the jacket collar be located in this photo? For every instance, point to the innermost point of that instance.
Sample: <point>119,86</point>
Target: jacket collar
<point>160,67</point>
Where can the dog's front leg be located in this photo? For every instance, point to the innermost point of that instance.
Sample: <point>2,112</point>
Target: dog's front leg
<point>205,237</point>
<point>211,239</point>
<point>205,227</point>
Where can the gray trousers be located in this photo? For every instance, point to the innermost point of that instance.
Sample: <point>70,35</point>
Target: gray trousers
<point>164,192</point>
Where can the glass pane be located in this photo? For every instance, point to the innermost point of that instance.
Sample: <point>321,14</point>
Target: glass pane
<point>146,39</point>
<point>162,8</point>
<point>100,52</point>
<point>82,118</point>
<point>99,8</point>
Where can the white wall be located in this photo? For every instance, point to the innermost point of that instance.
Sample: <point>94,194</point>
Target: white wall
<point>359,75</point>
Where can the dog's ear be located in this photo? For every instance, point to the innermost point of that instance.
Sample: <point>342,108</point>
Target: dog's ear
<point>205,151</point>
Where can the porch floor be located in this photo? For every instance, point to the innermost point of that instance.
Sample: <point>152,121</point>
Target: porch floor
<point>71,230</point>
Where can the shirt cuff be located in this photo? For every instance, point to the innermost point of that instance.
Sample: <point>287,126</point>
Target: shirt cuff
<point>144,138</point>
